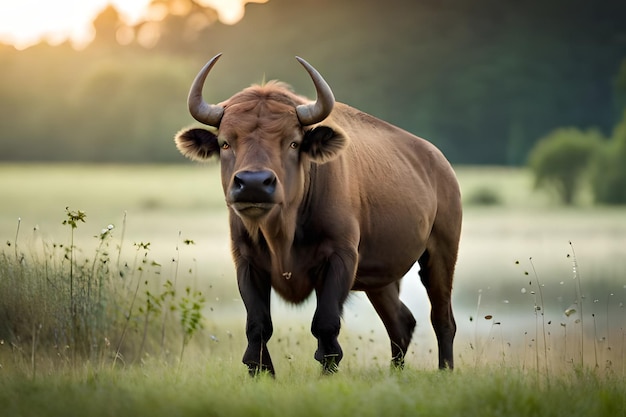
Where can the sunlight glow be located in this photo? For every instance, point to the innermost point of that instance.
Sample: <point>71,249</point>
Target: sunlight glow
<point>26,22</point>
<point>230,11</point>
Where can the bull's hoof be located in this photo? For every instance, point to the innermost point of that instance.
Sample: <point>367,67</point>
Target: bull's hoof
<point>258,371</point>
<point>397,363</point>
<point>446,365</point>
<point>330,365</point>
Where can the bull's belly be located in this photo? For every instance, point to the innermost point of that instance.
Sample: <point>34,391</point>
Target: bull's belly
<point>379,267</point>
<point>378,277</point>
<point>296,288</point>
<point>383,258</point>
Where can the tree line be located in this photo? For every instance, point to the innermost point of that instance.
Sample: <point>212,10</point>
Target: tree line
<point>482,79</point>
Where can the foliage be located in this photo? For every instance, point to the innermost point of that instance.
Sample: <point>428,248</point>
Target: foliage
<point>95,106</point>
<point>609,169</point>
<point>73,217</point>
<point>66,308</point>
<point>190,307</point>
<point>484,196</point>
<point>560,160</point>
<point>620,87</point>
<point>479,78</point>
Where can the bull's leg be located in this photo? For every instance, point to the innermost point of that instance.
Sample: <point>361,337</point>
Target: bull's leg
<point>397,318</point>
<point>255,291</point>
<point>436,274</point>
<point>331,294</point>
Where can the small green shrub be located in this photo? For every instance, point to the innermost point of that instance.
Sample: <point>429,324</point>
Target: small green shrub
<point>484,196</point>
<point>608,172</point>
<point>560,160</point>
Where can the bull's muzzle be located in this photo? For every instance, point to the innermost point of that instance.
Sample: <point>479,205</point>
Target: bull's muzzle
<point>252,192</point>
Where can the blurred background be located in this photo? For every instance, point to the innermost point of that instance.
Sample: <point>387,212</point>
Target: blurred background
<point>482,79</point>
<point>527,99</point>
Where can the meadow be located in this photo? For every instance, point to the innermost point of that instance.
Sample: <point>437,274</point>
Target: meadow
<point>539,302</point>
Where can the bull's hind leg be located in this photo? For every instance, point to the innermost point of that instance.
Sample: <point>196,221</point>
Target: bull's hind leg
<point>396,317</point>
<point>436,271</point>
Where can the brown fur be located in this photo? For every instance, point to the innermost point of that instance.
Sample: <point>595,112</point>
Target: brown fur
<point>357,202</point>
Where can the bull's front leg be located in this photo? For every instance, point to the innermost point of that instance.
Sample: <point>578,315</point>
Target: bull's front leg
<point>255,289</point>
<point>331,291</point>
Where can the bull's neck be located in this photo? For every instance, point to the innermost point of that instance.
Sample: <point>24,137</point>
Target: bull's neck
<point>280,229</point>
<point>279,232</point>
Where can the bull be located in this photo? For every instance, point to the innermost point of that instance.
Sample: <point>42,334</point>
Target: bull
<point>325,198</point>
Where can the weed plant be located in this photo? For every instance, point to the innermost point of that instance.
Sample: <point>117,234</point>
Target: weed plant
<point>58,306</point>
<point>559,340</point>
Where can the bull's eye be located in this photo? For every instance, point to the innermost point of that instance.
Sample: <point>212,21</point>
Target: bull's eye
<point>225,146</point>
<point>294,145</point>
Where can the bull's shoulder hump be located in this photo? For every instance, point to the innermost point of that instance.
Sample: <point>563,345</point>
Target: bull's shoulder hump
<point>355,121</point>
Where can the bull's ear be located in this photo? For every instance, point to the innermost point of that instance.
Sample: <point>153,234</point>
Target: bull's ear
<point>323,143</point>
<point>197,144</point>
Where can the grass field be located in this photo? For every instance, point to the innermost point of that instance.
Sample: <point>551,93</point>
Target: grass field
<point>518,352</point>
<point>218,390</point>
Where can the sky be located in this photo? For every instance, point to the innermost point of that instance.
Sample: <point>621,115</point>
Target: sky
<point>27,22</point>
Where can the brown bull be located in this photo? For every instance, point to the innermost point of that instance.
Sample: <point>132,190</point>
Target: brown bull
<point>325,198</point>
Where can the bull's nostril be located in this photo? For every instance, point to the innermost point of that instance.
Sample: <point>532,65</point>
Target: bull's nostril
<point>270,181</point>
<point>238,182</point>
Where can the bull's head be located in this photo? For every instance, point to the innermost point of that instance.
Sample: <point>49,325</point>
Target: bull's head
<point>266,138</point>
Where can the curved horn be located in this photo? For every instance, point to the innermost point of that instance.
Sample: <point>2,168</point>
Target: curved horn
<point>209,114</point>
<point>309,114</point>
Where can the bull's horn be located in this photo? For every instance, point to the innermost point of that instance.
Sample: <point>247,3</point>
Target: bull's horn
<point>209,114</point>
<point>309,114</point>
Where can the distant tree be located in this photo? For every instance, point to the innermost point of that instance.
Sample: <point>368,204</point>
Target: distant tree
<point>106,25</point>
<point>560,160</point>
<point>608,175</point>
<point>174,25</point>
<point>620,88</point>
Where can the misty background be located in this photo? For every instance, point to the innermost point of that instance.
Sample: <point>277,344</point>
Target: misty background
<point>482,79</point>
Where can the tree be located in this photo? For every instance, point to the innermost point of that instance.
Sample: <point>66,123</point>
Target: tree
<point>106,25</point>
<point>560,160</point>
<point>608,176</point>
<point>620,88</point>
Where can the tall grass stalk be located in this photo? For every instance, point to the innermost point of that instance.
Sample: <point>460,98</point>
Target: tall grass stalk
<point>543,323</point>
<point>623,355</point>
<point>73,217</point>
<point>33,362</point>
<point>129,315</point>
<point>102,237</point>
<point>564,358</point>
<point>595,340</point>
<point>608,328</point>
<point>172,289</point>
<point>153,305</point>
<point>17,234</point>
<point>119,248</point>
<point>177,261</point>
<point>476,341</point>
<point>579,302</point>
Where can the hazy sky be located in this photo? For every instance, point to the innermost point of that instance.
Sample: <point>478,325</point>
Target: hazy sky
<point>26,22</point>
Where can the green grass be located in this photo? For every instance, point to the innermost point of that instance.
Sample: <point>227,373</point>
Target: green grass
<point>218,389</point>
<point>511,358</point>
